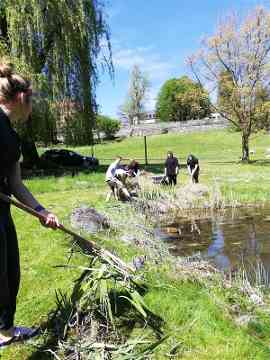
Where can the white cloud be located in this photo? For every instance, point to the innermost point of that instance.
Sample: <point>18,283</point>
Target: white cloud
<point>149,62</point>
<point>156,68</point>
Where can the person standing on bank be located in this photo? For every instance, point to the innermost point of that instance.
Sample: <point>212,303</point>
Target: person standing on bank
<point>15,105</point>
<point>171,168</point>
<point>193,168</point>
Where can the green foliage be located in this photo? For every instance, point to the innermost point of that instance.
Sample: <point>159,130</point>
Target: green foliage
<point>182,99</point>
<point>42,126</point>
<point>229,103</point>
<point>71,127</point>
<point>107,125</point>
<point>225,87</point>
<point>61,39</point>
<point>235,58</point>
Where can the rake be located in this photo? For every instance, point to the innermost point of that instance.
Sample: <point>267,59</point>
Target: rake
<point>87,246</point>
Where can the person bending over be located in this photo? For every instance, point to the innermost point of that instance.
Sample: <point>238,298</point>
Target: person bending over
<point>122,191</point>
<point>15,105</point>
<point>171,168</point>
<point>193,168</point>
<point>133,168</point>
<point>113,182</point>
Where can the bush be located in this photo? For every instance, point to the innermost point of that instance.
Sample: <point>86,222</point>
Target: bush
<point>182,99</point>
<point>107,125</point>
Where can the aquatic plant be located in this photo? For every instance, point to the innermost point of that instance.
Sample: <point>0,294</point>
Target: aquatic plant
<point>104,308</point>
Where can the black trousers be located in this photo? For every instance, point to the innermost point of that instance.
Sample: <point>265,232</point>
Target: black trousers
<point>9,271</point>
<point>196,176</point>
<point>172,179</point>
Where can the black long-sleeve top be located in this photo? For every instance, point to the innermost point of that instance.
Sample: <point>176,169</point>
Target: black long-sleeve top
<point>10,152</point>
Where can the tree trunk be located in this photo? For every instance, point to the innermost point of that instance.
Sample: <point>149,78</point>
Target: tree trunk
<point>88,101</point>
<point>29,151</point>
<point>30,155</point>
<point>245,147</point>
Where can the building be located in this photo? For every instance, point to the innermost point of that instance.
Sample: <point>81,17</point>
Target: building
<point>148,117</point>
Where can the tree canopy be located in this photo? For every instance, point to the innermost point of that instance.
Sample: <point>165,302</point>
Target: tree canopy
<point>226,88</point>
<point>182,99</point>
<point>108,126</point>
<point>62,42</point>
<point>134,104</point>
<point>238,56</point>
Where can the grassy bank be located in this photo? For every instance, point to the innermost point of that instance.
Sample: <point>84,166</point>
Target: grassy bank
<point>199,315</point>
<point>219,153</point>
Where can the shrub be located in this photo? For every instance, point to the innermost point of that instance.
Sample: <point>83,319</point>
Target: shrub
<point>107,125</point>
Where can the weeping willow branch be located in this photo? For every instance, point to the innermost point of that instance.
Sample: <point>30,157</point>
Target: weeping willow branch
<point>64,40</point>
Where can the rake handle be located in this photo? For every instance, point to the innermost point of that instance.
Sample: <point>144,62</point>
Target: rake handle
<point>82,242</point>
<point>41,217</point>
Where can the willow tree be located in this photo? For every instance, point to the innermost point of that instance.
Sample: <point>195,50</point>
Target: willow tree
<point>241,51</point>
<point>65,41</point>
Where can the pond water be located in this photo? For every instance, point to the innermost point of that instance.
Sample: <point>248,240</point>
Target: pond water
<point>228,239</point>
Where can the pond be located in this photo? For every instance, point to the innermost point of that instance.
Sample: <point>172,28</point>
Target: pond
<point>229,239</point>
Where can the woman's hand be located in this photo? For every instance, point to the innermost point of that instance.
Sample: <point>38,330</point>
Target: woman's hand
<point>50,220</point>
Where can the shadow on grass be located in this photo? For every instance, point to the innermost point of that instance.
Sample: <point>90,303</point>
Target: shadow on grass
<point>258,162</point>
<point>68,317</point>
<point>74,171</point>
<point>101,169</point>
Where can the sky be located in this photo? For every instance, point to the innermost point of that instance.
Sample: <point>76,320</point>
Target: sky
<point>158,35</point>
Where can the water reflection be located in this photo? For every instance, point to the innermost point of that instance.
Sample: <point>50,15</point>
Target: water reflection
<point>228,239</point>
<point>216,248</point>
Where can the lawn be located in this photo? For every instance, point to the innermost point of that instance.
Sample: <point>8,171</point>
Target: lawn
<point>219,153</point>
<point>194,314</point>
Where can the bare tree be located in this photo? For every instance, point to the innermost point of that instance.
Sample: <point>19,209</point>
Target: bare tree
<point>133,106</point>
<point>241,50</point>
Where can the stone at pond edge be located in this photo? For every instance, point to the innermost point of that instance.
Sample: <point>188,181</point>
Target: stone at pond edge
<point>244,320</point>
<point>89,220</point>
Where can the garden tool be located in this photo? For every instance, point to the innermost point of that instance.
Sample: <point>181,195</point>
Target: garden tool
<point>87,246</point>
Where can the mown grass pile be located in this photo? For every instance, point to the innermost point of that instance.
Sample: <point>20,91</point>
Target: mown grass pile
<point>96,320</point>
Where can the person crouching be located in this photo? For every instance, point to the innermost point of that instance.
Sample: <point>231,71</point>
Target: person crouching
<point>114,179</point>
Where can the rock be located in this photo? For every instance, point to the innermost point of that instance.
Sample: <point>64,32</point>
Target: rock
<point>158,179</point>
<point>196,190</point>
<point>199,189</point>
<point>139,261</point>
<point>128,238</point>
<point>256,299</point>
<point>89,220</point>
<point>164,131</point>
<point>243,320</point>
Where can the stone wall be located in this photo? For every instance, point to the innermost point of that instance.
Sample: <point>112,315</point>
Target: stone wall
<point>175,127</point>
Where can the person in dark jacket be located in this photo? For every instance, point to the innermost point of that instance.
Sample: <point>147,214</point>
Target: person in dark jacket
<point>171,168</point>
<point>133,168</point>
<point>15,105</point>
<point>193,168</point>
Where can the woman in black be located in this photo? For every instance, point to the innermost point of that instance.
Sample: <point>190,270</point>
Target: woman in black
<point>15,104</point>
<point>193,168</point>
<point>171,168</point>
